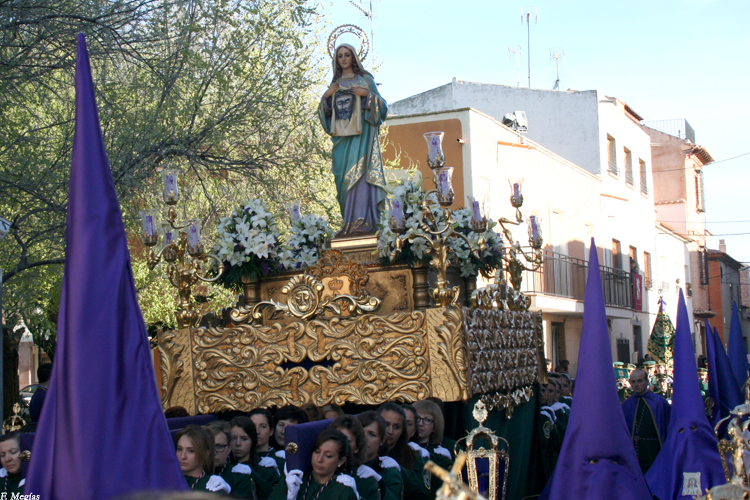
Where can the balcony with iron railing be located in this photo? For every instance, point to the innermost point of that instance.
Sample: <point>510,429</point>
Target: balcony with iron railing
<point>565,276</point>
<point>612,168</point>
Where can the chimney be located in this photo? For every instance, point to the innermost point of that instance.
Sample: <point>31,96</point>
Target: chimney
<point>722,246</point>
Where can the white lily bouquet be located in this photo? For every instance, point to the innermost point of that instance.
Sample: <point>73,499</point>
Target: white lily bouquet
<point>308,234</point>
<point>489,260</point>
<point>416,251</point>
<point>248,244</point>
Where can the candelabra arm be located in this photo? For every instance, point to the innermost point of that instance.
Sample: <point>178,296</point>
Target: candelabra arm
<point>153,259</point>
<point>208,256</point>
<point>456,234</point>
<point>173,275</point>
<point>172,217</point>
<point>426,208</point>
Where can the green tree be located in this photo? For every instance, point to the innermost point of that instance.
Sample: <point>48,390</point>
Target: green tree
<point>224,90</point>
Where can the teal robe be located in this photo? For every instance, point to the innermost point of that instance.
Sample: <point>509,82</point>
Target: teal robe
<point>358,157</point>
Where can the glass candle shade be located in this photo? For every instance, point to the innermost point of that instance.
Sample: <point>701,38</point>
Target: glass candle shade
<point>295,211</point>
<point>478,220</point>
<point>534,223</point>
<point>169,252</point>
<point>435,155</point>
<point>171,193</point>
<point>516,194</point>
<point>397,219</point>
<point>194,242</point>
<point>444,183</point>
<point>149,233</point>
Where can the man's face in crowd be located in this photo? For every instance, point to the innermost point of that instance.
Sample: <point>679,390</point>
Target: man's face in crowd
<point>638,382</point>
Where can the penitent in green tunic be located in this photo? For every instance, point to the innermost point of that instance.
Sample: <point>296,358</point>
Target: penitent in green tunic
<point>199,484</point>
<point>392,481</point>
<point>333,491</point>
<point>367,487</point>
<point>12,484</point>
<point>242,485</point>
<point>418,481</point>
<point>645,435</point>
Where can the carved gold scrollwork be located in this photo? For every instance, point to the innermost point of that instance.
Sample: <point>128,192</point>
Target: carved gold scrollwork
<point>503,357</point>
<point>335,263</point>
<point>172,366</point>
<point>305,300</point>
<point>366,359</point>
<point>452,347</point>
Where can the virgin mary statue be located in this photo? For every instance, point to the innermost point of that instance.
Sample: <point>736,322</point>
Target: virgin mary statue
<point>351,111</point>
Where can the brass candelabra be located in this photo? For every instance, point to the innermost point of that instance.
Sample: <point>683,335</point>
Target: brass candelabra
<point>436,231</point>
<point>183,250</point>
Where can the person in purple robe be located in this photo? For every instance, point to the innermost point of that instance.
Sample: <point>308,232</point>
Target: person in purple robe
<point>647,415</point>
<point>689,463</point>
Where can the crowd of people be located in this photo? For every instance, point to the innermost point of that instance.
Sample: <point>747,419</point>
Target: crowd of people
<point>375,455</point>
<point>645,394</point>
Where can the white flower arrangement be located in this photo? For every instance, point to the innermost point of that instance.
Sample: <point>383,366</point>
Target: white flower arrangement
<point>489,260</point>
<point>308,233</point>
<point>416,251</point>
<point>248,243</point>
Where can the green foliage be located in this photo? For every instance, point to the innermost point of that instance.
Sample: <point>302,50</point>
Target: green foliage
<point>159,301</point>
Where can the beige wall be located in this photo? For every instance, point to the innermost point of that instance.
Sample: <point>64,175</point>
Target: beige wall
<point>566,196</point>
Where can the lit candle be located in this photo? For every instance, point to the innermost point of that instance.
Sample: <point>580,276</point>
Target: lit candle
<point>193,236</point>
<point>171,191</point>
<point>398,210</point>
<point>296,215</point>
<point>435,155</point>
<point>536,230</point>
<point>149,225</point>
<point>445,186</point>
<point>148,222</point>
<point>475,211</point>
<point>194,243</point>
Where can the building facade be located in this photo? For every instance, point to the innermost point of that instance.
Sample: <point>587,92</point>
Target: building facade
<point>602,136</point>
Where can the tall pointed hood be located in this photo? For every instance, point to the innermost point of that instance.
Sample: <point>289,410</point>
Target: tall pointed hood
<point>714,401</point>
<point>737,352</point>
<point>102,431</point>
<point>689,462</point>
<point>730,394</point>
<point>597,460</point>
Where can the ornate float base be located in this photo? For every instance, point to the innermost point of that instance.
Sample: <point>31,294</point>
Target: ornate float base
<point>320,338</point>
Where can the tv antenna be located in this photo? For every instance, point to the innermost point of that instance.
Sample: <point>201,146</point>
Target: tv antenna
<point>526,18</point>
<point>369,14</point>
<point>556,54</point>
<point>516,49</point>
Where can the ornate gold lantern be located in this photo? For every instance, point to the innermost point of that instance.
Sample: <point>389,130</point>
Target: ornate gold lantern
<point>498,459</point>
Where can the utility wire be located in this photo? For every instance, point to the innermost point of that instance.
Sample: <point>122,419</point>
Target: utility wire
<point>693,168</point>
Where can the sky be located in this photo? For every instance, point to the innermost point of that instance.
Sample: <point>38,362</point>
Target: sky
<point>678,59</point>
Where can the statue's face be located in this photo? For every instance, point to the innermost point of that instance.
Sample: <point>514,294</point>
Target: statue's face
<point>344,58</point>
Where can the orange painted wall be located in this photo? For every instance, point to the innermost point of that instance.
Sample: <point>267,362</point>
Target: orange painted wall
<point>410,139</point>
